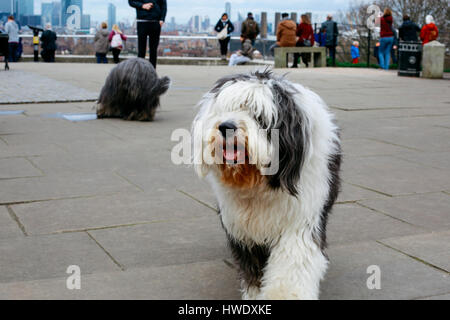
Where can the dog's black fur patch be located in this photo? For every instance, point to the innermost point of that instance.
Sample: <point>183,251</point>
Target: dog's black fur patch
<point>334,166</point>
<point>132,91</point>
<point>293,142</point>
<point>251,260</point>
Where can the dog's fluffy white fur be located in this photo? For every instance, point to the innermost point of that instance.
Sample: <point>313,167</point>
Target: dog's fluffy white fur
<point>275,224</point>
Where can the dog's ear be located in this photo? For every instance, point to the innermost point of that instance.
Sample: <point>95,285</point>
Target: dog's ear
<point>162,86</point>
<point>293,141</point>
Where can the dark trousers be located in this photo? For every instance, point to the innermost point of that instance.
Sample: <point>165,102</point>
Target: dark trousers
<point>13,46</point>
<point>306,57</point>
<point>332,54</point>
<point>224,46</point>
<point>116,53</point>
<point>48,55</point>
<point>101,57</point>
<point>152,30</point>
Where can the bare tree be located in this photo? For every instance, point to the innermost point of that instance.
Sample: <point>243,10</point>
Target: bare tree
<point>353,21</point>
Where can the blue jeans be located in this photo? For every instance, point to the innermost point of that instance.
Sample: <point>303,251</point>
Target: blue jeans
<point>385,51</point>
<point>101,57</point>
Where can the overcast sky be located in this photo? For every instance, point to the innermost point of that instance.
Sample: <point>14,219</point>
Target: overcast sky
<point>182,10</point>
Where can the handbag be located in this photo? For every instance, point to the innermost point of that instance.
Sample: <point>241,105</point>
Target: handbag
<point>222,35</point>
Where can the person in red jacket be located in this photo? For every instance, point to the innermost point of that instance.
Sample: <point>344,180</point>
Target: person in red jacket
<point>386,39</point>
<point>305,34</point>
<point>429,31</point>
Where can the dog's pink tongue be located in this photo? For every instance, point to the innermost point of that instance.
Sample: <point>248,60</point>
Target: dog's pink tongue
<point>229,154</point>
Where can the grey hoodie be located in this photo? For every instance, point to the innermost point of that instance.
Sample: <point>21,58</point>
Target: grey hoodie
<point>101,42</point>
<point>12,29</point>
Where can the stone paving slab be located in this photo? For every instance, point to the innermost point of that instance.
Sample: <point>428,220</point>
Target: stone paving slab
<point>17,168</point>
<point>24,87</point>
<point>430,211</point>
<point>393,176</point>
<point>157,221</point>
<point>165,243</point>
<point>43,257</point>
<point>350,193</point>
<point>433,248</point>
<point>114,210</point>
<point>350,223</point>
<point>8,227</point>
<point>401,276</point>
<point>61,186</point>
<point>201,280</point>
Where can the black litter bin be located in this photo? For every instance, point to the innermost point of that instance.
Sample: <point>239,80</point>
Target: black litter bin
<point>4,48</point>
<point>410,57</point>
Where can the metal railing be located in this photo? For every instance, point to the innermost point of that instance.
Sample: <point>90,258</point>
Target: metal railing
<point>170,46</point>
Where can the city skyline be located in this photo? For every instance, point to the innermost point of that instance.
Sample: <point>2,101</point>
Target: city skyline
<point>98,9</point>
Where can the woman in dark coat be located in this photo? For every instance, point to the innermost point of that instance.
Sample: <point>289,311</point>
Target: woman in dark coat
<point>48,44</point>
<point>224,21</point>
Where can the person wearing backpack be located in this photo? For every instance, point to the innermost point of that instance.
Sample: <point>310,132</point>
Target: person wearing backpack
<point>250,28</point>
<point>429,31</point>
<point>224,27</point>
<point>116,38</point>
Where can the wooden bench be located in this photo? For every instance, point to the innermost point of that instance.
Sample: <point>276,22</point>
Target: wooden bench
<point>318,55</point>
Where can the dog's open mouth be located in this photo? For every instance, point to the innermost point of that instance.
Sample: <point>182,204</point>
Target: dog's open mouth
<point>234,152</point>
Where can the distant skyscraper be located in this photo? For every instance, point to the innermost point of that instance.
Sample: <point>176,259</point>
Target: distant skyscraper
<point>86,21</point>
<point>5,6</point>
<point>65,5</point>
<point>26,7</point>
<point>46,13</point>
<point>228,9</point>
<point>294,17</point>
<point>111,15</point>
<point>277,21</point>
<point>263,25</point>
<point>197,23</point>
<point>206,23</point>
<point>56,13</point>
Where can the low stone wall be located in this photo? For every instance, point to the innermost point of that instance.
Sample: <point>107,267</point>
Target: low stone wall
<point>161,60</point>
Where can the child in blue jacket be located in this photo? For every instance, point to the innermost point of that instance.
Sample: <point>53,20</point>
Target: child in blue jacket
<point>355,52</point>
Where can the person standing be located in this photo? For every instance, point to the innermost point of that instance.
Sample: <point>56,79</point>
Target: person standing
<point>386,38</point>
<point>408,30</point>
<point>305,34</point>
<point>354,50</point>
<point>150,19</point>
<point>332,33</point>
<point>223,23</point>
<point>250,28</point>
<point>12,29</point>
<point>429,31</point>
<point>48,44</point>
<point>101,43</point>
<point>116,37</point>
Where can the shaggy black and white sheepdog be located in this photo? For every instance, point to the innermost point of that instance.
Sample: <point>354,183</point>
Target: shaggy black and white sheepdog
<point>275,221</point>
<point>132,91</point>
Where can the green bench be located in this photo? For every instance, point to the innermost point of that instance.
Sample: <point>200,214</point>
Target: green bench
<point>318,56</point>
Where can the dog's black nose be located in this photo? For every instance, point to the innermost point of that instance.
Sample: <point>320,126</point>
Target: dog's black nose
<point>224,126</point>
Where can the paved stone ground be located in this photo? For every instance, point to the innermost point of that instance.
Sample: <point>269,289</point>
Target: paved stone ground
<point>105,196</point>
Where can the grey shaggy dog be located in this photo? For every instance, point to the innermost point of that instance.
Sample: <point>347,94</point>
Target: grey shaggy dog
<point>132,91</point>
